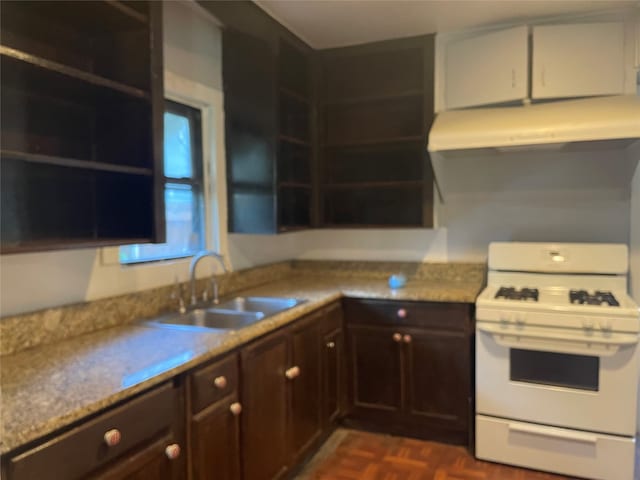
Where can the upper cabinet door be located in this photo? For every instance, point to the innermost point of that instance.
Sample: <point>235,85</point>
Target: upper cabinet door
<point>578,60</point>
<point>487,69</point>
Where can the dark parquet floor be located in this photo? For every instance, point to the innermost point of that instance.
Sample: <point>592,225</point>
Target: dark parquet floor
<point>355,455</point>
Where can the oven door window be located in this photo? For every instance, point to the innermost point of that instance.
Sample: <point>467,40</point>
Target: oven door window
<point>557,369</point>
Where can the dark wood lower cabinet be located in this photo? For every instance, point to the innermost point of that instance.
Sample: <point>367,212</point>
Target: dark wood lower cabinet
<point>375,369</point>
<point>437,373</point>
<point>305,419</point>
<point>151,463</point>
<point>265,413</point>
<point>399,367</point>
<point>334,393</point>
<point>410,368</point>
<point>215,442</point>
<point>142,439</point>
<point>283,395</point>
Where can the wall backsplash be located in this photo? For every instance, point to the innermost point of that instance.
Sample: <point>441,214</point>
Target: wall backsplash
<point>28,330</point>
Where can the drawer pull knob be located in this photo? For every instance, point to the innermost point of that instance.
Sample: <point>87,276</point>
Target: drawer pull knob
<point>331,345</point>
<point>292,373</point>
<point>112,437</point>
<point>402,313</point>
<point>172,451</point>
<point>236,408</point>
<point>406,338</point>
<point>397,337</point>
<point>220,382</point>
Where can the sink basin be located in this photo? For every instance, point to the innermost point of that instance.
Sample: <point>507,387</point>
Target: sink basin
<point>231,314</point>
<point>211,318</point>
<point>266,305</point>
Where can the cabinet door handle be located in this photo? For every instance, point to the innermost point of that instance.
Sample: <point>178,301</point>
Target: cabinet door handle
<point>402,313</point>
<point>331,345</point>
<point>406,338</point>
<point>292,372</point>
<point>220,382</point>
<point>172,451</point>
<point>397,337</point>
<point>236,408</point>
<point>112,437</point>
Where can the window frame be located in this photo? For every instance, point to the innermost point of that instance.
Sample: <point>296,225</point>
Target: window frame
<point>197,181</point>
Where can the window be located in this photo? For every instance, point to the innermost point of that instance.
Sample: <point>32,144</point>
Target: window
<point>183,189</point>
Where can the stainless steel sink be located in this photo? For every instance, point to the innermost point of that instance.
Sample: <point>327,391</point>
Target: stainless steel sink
<point>231,314</point>
<point>211,318</point>
<point>266,305</point>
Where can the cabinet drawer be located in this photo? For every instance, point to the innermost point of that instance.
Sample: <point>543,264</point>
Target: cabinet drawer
<point>84,449</point>
<point>213,383</point>
<point>447,316</point>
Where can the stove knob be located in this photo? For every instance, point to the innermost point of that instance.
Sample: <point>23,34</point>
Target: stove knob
<point>506,319</point>
<point>520,319</point>
<point>587,323</point>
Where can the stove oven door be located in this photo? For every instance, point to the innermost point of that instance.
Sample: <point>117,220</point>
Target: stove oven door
<point>575,379</point>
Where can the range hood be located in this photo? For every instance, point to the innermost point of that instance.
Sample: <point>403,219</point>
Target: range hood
<point>577,146</point>
<point>560,122</point>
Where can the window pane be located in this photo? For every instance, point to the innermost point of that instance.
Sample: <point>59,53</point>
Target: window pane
<point>185,235</point>
<point>184,204</point>
<point>177,146</point>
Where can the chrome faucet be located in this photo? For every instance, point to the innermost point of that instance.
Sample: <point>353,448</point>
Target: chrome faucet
<point>192,274</point>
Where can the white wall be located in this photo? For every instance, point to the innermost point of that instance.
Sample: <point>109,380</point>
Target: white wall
<point>192,43</point>
<point>416,245</point>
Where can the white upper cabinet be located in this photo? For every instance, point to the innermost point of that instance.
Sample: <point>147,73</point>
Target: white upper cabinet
<point>486,69</point>
<point>577,60</point>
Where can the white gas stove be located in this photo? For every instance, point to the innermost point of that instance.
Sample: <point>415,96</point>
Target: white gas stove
<point>557,359</point>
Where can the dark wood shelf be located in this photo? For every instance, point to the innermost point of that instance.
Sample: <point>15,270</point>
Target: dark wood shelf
<point>361,226</point>
<point>89,17</point>
<point>81,130</point>
<point>294,185</point>
<point>132,13</point>
<point>293,228</point>
<point>379,141</point>
<point>297,141</point>
<point>29,60</point>
<point>295,95</point>
<point>374,98</point>
<point>74,163</point>
<point>361,185</point>
<point>66,244</point>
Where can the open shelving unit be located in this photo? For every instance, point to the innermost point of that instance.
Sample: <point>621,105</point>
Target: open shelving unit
<point>294,150</point>
<point>81,134</point>
<point>375,103</point>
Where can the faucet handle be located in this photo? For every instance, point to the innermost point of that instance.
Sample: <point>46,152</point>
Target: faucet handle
<point>214,285</point>
<point>177,294</point>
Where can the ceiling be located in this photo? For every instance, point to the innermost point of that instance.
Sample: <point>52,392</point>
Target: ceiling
<point>336,23</point>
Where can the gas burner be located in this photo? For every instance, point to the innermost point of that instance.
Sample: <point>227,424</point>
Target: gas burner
<point>582,297</point>
<point>511,293</point>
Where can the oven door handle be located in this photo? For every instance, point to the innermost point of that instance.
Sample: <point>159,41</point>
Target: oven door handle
<point>558,342</point>
<point>553,433</point>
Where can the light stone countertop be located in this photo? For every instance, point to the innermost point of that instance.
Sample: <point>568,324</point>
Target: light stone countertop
<point>46,388</point>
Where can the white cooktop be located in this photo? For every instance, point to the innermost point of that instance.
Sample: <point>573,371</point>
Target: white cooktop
<point>557,298</point>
